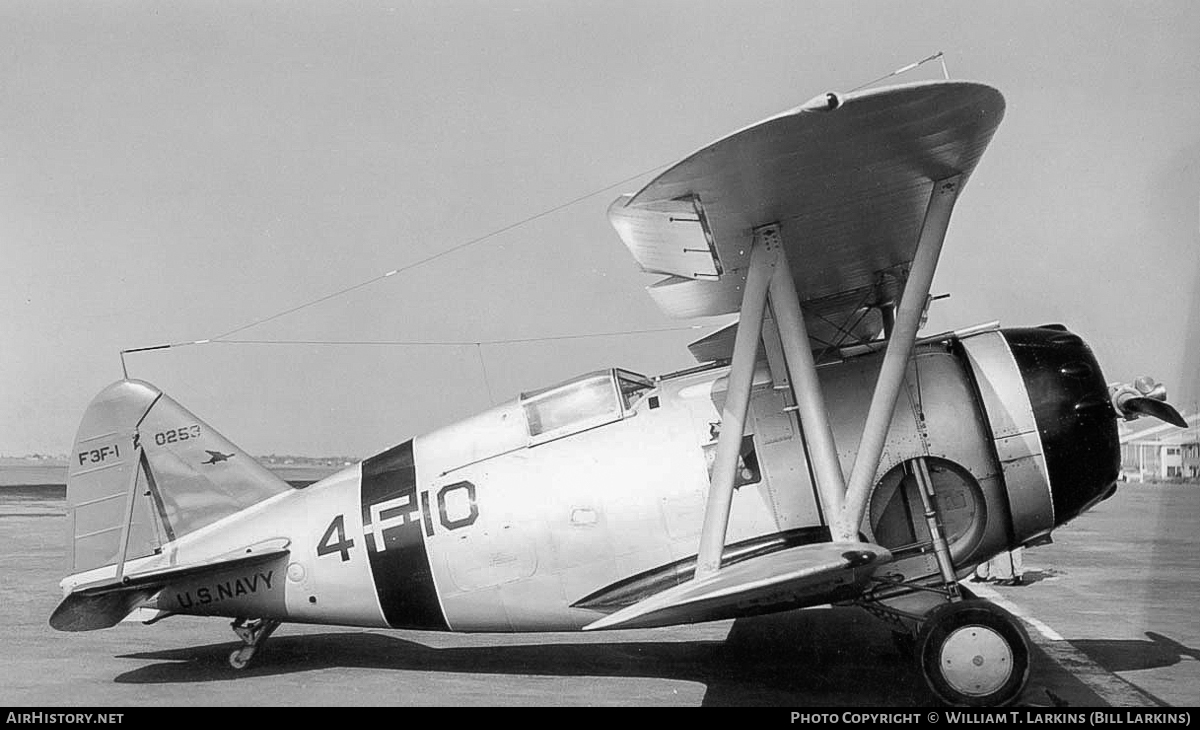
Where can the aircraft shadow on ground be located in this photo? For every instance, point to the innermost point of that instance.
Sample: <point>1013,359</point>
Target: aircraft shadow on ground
<point>827,657</point>
<point>1123,655</point>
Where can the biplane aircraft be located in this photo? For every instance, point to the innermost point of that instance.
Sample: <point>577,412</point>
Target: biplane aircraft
<point>819,453</point>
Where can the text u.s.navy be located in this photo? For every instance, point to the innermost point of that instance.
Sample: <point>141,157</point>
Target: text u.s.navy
<point>225,589</point>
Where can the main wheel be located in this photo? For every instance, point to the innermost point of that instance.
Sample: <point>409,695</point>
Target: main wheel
<point>973,653</point>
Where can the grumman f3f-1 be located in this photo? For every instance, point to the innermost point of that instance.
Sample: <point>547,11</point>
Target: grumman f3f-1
<point>821,452</point>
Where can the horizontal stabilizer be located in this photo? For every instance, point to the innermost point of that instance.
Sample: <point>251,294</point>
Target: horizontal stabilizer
<point>91,611</point>
<point>806,575</point>
<point>105,603</point>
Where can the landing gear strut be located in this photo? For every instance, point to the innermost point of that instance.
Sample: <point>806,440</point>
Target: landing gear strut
<point>971,653</point>
<point>253,633</point>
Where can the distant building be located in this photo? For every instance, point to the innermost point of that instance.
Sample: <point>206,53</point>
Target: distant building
<point>1162,452</point>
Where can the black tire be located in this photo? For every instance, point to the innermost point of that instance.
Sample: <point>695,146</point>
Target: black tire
<point>973,654</point>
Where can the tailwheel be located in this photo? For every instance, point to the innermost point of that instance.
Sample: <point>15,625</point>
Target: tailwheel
<point>973,653</point>
<point>253,634</point>
<point>240,658</point>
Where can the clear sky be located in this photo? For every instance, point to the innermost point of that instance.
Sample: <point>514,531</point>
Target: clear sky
<point>172,171</point>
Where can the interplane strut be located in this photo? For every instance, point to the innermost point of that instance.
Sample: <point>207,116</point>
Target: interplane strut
<point>802,371</point>
<point>769,279</point>
<point>733,415</point>
<point>895,360</point>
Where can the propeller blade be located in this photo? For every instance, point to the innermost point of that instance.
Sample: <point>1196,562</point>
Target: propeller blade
<point>1151,407</point>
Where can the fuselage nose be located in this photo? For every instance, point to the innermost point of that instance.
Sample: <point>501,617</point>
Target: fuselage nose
<point>1075,419</point>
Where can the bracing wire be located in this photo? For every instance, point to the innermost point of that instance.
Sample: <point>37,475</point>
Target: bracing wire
<point>434,257</point>
<point>457,343</point>
<point>937,56</point>
<point>483,368</point>
<point>410,343</point>
<point>222,338</point>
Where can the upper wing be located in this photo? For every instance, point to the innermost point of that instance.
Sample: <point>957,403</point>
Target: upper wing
<point>806,575</point>
<point>849,187</point>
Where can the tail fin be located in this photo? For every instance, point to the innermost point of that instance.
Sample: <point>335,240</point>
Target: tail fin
<point>145,471</point>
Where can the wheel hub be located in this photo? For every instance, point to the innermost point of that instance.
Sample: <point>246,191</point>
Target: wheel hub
<point>976,660</point>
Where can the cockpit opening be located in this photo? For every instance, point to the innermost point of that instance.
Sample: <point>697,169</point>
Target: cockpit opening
<point>584,402</point>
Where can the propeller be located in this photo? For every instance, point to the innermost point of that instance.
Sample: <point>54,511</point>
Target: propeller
<point>1144,397</point>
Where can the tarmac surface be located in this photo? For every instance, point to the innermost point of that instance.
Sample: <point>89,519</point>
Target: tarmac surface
<point>1110,609</point>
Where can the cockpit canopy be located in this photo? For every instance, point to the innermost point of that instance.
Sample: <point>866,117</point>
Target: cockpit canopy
<point>583,402</point>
